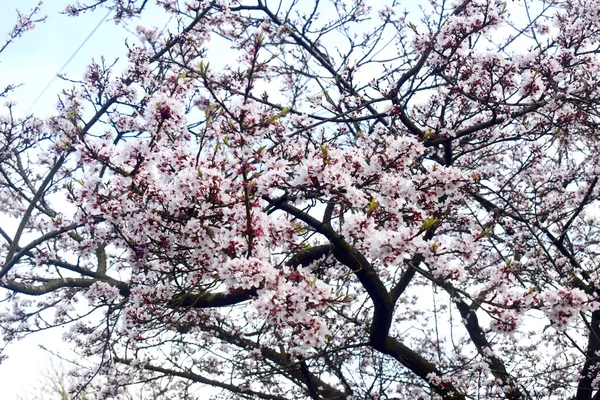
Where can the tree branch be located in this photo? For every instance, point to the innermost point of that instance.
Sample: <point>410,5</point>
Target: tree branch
<point>206,381</point>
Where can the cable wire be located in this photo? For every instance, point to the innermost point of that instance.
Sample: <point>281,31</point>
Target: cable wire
<point>68,61</point>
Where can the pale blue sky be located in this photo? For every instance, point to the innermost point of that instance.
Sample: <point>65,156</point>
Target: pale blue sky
<point>33,60</point>
<point>37,56</point>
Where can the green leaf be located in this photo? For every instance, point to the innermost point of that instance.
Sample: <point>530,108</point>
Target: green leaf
<point>429,223</point>
<point>324,152</point>
<point>203,68</point>
<point>373,204</point>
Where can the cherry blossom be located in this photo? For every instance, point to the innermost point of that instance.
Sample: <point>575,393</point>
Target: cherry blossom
<point>326,200</point>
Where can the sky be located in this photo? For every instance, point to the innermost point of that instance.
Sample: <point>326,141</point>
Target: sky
<point>33,60</point>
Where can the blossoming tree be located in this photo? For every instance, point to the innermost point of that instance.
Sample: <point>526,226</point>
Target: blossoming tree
<point>361,203</point>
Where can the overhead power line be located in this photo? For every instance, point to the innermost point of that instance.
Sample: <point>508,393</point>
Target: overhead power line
<point>68,61</point>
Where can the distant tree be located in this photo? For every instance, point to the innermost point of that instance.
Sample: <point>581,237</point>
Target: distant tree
<point>319,200</point>
<point>56,385</point>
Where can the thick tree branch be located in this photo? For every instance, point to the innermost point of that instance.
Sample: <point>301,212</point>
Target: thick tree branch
<point>307,256</point>
<point>27,215</point>
<point>383,306</point>
<point>586,199</point>
<point>13,259</point>
<point>483,346</point>
<point>589,371</point>
<point>421,367</point>
<point>209,300</point>
<point>51,285</point>
<point>236,296</point>
<point>343,252</point>
<point>284,361</point>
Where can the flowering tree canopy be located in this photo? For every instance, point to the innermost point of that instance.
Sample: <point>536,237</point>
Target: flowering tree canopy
<point>318,200</point>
